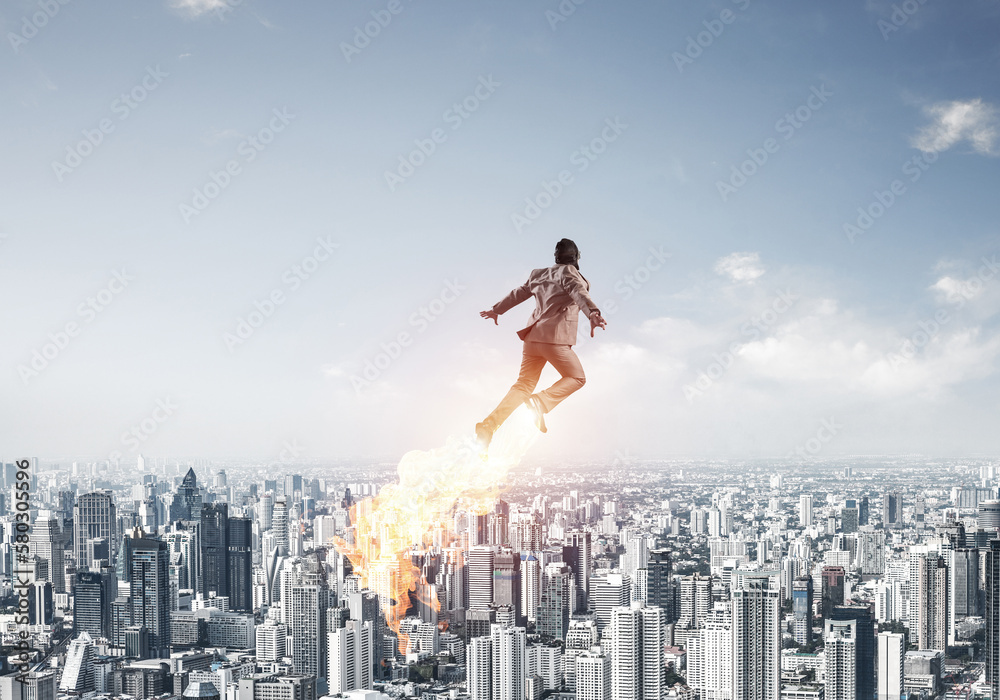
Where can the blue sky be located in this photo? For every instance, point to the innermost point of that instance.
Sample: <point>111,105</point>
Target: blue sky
<point>310,130</point>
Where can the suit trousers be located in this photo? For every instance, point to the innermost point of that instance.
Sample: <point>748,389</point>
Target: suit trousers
<point>536,354</point>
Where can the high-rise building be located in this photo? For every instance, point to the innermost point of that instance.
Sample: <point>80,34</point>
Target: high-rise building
<point>214,549</point>
<point>989,516</point>
<point>710,656</point>
<point>554,608</point>
<point>833,588</point>
<point>271,638</point>
<point>480,568</point>
<point>635,644</point>
<point>756,636</point>
<point>864,639</point>
<point>607,592</point>
<point>479,668</point>
<point>351,649</point>
<point>186,503</point>
<point>892,511</point>
<point>580,563</point>
<point>891,652</point>
<point>507,581</point>
<point>78,672</point>
<point>47,544</point>
<point>932,612</point>
<point>806,510</point>
<point>509,662</point>
<point>151,593</point>
<point>279,525</point>
<point>695,600</point>
<point>582,635</point>
<point>94,591</point>
<point>841,656</point>
<point>659,583</point>
<point>307,604</point>
<point>802,609</point>
<point>593,675</point>
<point>992,586</point>
<point>531,586</point>
<point>93,517</point>
<point>239,565</point>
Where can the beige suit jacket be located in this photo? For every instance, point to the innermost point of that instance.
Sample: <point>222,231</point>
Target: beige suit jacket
<point>561,293</point>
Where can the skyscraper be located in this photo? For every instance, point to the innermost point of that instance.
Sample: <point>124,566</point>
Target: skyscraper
<point>806,510</point>
<point>214,549</point>
<point>635,644</point>
<point>47,544</point>
<point>710,655</point>
<point>659,583</point>
<point>531,586</point>
<point>509,662</point>
<point>892,511</point>
<point>802,609</point>
<point>756,637</point>
<point>186,503</point>
<point>239,565</point>
<point>606,593</point>
<point>833,588</point>
<point>507,581</point>
<point>553,610</point>
<point>151,592</point>
<point>350,654</point>
<point>78,673</point>
<point>864,641</point>
<point>579,541</point>
<point>93,517</point>
<point>932,612</point>
<point>593,675</point>
<point>841,657</point>
<point>993,618</point>
<point>279,525</point>
<point>94,591</point>
<point>480,568</point>
<point>891,652</point>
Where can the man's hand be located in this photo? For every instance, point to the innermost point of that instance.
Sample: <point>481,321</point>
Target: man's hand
<point>491,314</point>
<point>596,321</point>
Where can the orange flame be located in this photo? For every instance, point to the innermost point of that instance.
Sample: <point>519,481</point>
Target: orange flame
<point>401,520</point>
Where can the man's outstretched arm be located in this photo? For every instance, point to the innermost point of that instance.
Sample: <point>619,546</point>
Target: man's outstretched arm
<point>516,296</point>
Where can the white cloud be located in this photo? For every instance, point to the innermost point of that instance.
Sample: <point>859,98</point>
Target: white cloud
<point>740,267</point>
<point>974,121</point>
<point>196,8</point>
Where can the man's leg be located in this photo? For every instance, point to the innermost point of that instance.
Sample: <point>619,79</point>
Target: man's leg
<point>527,380</point>
<point>569,367</point>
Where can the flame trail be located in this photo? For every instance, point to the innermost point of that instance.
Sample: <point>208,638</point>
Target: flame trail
<point>401,519</point>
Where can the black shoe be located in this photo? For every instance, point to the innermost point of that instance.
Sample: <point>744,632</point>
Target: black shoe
<point>483,435</point>
<point>535,405</point>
